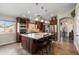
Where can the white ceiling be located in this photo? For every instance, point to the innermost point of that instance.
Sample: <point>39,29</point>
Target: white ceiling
<point>31,9</point>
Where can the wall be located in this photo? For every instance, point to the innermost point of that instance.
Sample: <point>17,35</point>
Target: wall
<point>76,28</point>
<point>6,38</point>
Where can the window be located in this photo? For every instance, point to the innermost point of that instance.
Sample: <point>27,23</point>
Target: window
<point>7,26</point>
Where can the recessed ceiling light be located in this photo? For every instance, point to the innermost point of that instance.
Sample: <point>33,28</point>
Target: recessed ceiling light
<point>36,3</point>
<point>46,10</point>
<point>42,7</point>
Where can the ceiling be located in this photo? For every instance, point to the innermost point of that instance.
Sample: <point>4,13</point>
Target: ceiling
<point>46,10</point>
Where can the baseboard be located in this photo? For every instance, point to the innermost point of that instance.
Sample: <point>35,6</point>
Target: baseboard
<point>77,47</point>
<point>7,43</point>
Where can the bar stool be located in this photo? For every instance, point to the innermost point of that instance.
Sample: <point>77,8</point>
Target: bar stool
<point>44,45</point>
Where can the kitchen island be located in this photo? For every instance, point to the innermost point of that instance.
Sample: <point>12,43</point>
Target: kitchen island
<point>30,41</point>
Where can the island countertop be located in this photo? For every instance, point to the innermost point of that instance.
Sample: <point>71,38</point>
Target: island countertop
<point>30,42</point>
<point>36,35</point>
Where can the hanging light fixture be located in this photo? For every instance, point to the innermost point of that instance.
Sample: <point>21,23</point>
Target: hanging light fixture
<point>42,20</point>
<point>36,19</point>
<point>46,22</point>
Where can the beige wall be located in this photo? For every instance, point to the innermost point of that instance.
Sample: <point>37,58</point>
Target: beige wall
<point>7,38</point>
<point>76,28</point>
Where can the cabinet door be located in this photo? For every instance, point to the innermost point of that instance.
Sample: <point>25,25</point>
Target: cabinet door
<point>24,42</point>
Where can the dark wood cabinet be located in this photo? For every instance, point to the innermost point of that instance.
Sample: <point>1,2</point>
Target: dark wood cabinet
<point>71,36</point>
<point>33,44</point>
<point>21,27</point>
<point>40,26</point>
<point>53,23</point>
<point>28,44</point>
<point>24,42</point>
<point>53,20</point>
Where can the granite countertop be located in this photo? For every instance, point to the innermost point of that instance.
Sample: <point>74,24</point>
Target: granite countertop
<point>36,35</point>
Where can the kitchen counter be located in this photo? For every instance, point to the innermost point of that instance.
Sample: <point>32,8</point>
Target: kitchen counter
<point>30,41</point>
<point>36,36</point>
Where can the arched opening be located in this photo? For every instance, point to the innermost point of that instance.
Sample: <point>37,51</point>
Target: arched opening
<point>66,29</point>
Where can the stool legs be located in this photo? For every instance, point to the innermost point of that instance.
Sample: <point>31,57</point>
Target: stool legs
<point>46,50</point>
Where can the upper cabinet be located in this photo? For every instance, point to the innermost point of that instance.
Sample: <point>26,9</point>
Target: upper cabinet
<point>22,24</point>
<point>53,20</point>
<point>40,26</point>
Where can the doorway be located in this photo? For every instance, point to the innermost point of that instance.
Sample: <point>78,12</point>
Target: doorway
<point>66,29</point>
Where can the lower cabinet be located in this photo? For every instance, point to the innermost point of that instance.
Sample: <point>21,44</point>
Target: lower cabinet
<point>24,42</point>
<point>28,44</point>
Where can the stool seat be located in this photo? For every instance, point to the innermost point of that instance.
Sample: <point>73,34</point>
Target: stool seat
<point>44,45</point>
